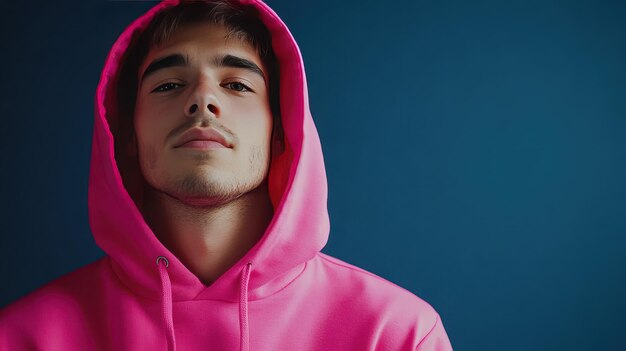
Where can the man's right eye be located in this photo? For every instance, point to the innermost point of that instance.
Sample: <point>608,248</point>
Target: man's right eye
<point>166,87</point>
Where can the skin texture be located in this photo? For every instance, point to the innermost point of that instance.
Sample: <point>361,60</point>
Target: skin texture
<point>207,206</point>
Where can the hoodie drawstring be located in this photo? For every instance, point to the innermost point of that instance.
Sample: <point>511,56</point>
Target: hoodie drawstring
<point>166,290</point>
<point>243,308</point>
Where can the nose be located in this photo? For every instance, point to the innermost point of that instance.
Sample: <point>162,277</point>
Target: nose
<point>202,102</point>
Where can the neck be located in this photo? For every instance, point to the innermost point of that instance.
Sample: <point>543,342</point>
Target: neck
<point>209,240</point>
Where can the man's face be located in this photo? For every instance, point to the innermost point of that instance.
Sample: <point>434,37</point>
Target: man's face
<point>179,104</point>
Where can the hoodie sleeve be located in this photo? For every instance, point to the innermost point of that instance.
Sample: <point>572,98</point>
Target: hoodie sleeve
<point>436,339</point>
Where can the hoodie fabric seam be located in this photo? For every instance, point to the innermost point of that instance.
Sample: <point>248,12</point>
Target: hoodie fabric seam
<point>358,270</point>
<point>286,285</point>
<point>429,332</point>
<point>124,285</point>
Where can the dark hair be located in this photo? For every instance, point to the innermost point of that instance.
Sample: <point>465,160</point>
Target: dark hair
<point>241,21</point>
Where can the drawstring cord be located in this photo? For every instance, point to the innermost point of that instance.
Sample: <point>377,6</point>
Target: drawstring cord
<point>243,308</point>
<point>166,290</point>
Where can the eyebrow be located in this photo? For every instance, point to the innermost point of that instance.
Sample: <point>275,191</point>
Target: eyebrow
<point>179,60</point>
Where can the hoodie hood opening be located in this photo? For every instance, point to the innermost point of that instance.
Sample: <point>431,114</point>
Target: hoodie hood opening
<point>296,180</point>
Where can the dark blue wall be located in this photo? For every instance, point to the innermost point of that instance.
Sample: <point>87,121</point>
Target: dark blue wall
<point>475,153</point>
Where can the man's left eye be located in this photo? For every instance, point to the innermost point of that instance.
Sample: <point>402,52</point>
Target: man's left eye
<point>238,86</point>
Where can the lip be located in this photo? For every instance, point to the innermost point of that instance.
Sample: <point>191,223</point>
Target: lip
<point>195,137</point>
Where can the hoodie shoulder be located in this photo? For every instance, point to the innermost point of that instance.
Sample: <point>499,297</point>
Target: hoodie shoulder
<point>378,287</point>
<point>61,305</point>
<point>394,312</point>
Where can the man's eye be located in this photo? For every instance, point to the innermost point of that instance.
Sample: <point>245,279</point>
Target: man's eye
<point>166,87</point>
<point>238,86</point>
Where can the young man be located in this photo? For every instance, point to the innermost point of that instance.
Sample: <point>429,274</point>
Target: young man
<point>208,194</point>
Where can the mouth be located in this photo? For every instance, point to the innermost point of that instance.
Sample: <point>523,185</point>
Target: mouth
<point>202,138</point>
<point>202,144</point>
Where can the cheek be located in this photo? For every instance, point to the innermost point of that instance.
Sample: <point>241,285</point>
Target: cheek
<point>254,124</point>
<point>255,133</point>
<point>151,124</point>
<point>149,157</point>
<point>147,135</point>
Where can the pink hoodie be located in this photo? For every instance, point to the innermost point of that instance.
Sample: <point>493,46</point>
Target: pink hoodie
<point>284,294</point>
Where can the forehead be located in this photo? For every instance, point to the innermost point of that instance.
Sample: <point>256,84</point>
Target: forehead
<point>201,40</point>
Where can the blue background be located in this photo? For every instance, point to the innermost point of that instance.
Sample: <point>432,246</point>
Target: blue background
<point>475,153</point>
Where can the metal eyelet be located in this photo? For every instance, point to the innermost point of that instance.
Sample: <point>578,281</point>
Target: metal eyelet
<point>167,263</point>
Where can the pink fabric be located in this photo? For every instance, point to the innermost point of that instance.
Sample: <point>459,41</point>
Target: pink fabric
<point>284,294</point>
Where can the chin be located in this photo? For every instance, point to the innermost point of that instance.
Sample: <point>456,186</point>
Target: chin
<point>200,191</point>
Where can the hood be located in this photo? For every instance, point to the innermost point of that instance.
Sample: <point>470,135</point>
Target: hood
<point>297,186</point>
